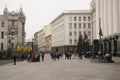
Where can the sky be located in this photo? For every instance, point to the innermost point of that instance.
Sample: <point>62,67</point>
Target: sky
<point>41,12</point>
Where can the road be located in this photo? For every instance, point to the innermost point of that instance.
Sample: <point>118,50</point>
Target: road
<point>61,70</point>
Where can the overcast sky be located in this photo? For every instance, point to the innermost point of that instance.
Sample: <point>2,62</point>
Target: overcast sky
<point>41,12</point>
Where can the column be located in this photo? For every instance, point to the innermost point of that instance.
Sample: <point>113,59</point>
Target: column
<point>102,15</point>
<point>119,16</point>
<point>106,18</point>
<point>97,17</point>
<point>110,17</point>
<point>115,16</point>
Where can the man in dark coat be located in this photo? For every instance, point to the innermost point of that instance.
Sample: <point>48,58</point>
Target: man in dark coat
<point>14,58</point>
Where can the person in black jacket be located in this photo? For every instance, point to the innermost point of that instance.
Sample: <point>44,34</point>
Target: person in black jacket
<point>14,58</point>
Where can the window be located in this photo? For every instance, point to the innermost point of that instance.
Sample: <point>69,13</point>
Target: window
<point>80,33</point>
<point>70,41</point>
<point>79,25</point>
<point>2,24</point>
<point>75,25</point>
<point>13,23</point>
<point>75,18</point>
<point>2,34</point>
<point>84,25</point>
<point>75,33</point>
<point>70,18</point>
<point>70,33</point>
<point>2,45</point>
<point>89,33</point>
<point>79,18</point>
<point>70,25</point>
<point>84,18</point>
<point>75,41</point>
<point>89,18</point>
<point>84,32</point>
<point>89,26</point>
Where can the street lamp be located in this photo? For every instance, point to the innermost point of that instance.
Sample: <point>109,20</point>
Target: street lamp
<point>11,35</point>
<point>115,45</point>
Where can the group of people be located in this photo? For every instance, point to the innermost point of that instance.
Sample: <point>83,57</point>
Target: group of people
<point>35,57</point>
<point>31,57</point>
<point>58,55</point>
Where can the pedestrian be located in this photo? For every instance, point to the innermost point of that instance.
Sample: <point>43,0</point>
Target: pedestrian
<point>28,57</point>
<point>80,54</point>
<point>22,57</point>
<point>52,55</point>
<point>70,55</point>
<point>58,55</point>
<point>14,58</point>
<point>42,55</point>
<point>38,57</point>
<point>33,57</point>
<point>66,54</point>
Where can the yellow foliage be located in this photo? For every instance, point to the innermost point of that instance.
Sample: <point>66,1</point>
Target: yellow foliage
<point>24,49</point>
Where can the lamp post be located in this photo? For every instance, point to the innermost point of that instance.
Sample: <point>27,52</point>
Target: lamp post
<point>11,35</point>
<point>115,45</point>
<point>105,46</point>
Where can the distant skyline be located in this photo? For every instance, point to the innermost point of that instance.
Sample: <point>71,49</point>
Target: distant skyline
<point>41,12</point>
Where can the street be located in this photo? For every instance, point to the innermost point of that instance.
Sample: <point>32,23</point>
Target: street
<point>61,70</point>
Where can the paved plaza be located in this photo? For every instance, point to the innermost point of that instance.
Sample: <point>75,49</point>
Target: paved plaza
<point>61,70</point>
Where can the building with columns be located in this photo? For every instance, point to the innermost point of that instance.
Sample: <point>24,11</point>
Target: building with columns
<point>108,12</point>
<point>67,27</point>
<point>12,29</point>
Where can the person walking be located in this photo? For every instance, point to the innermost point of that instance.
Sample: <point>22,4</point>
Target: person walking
<point>14,58</point>
<point>22,57</point>
<point>38,57</point>
<point>33,57</point>
<point>70,55</point>
<point>58,55</point>
<point>42,55</point>
<point>28,57</point>
<point>80,54</point>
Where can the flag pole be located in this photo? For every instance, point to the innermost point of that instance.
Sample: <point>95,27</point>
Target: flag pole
<point>100,35</point>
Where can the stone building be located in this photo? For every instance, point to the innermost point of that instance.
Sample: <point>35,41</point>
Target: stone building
<point>43,38</point>
<point>12,29</point>
<point>106,14</point>
<point>67,27</point>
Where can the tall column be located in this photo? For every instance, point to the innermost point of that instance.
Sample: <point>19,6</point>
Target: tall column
<point>110,17</point>
<point>102,14</point>
<point>106,18</point>
<point>97,17</point>
<point>119,16</point>
<point>115,16</point>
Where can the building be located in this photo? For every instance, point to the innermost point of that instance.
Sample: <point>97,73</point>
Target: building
<point>106,15</point>
<point>67,27</point>
<point>43,38</point>
<point>47,30</point>
<point>40,40</point>
<point>107,12</point>
<point>12,29</point>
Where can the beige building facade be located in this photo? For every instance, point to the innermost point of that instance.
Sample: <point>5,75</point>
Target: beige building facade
<point>43,39</point>
<point>47,30</point>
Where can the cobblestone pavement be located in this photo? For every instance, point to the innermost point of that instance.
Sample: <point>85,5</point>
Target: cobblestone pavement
<point>61,70</point>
